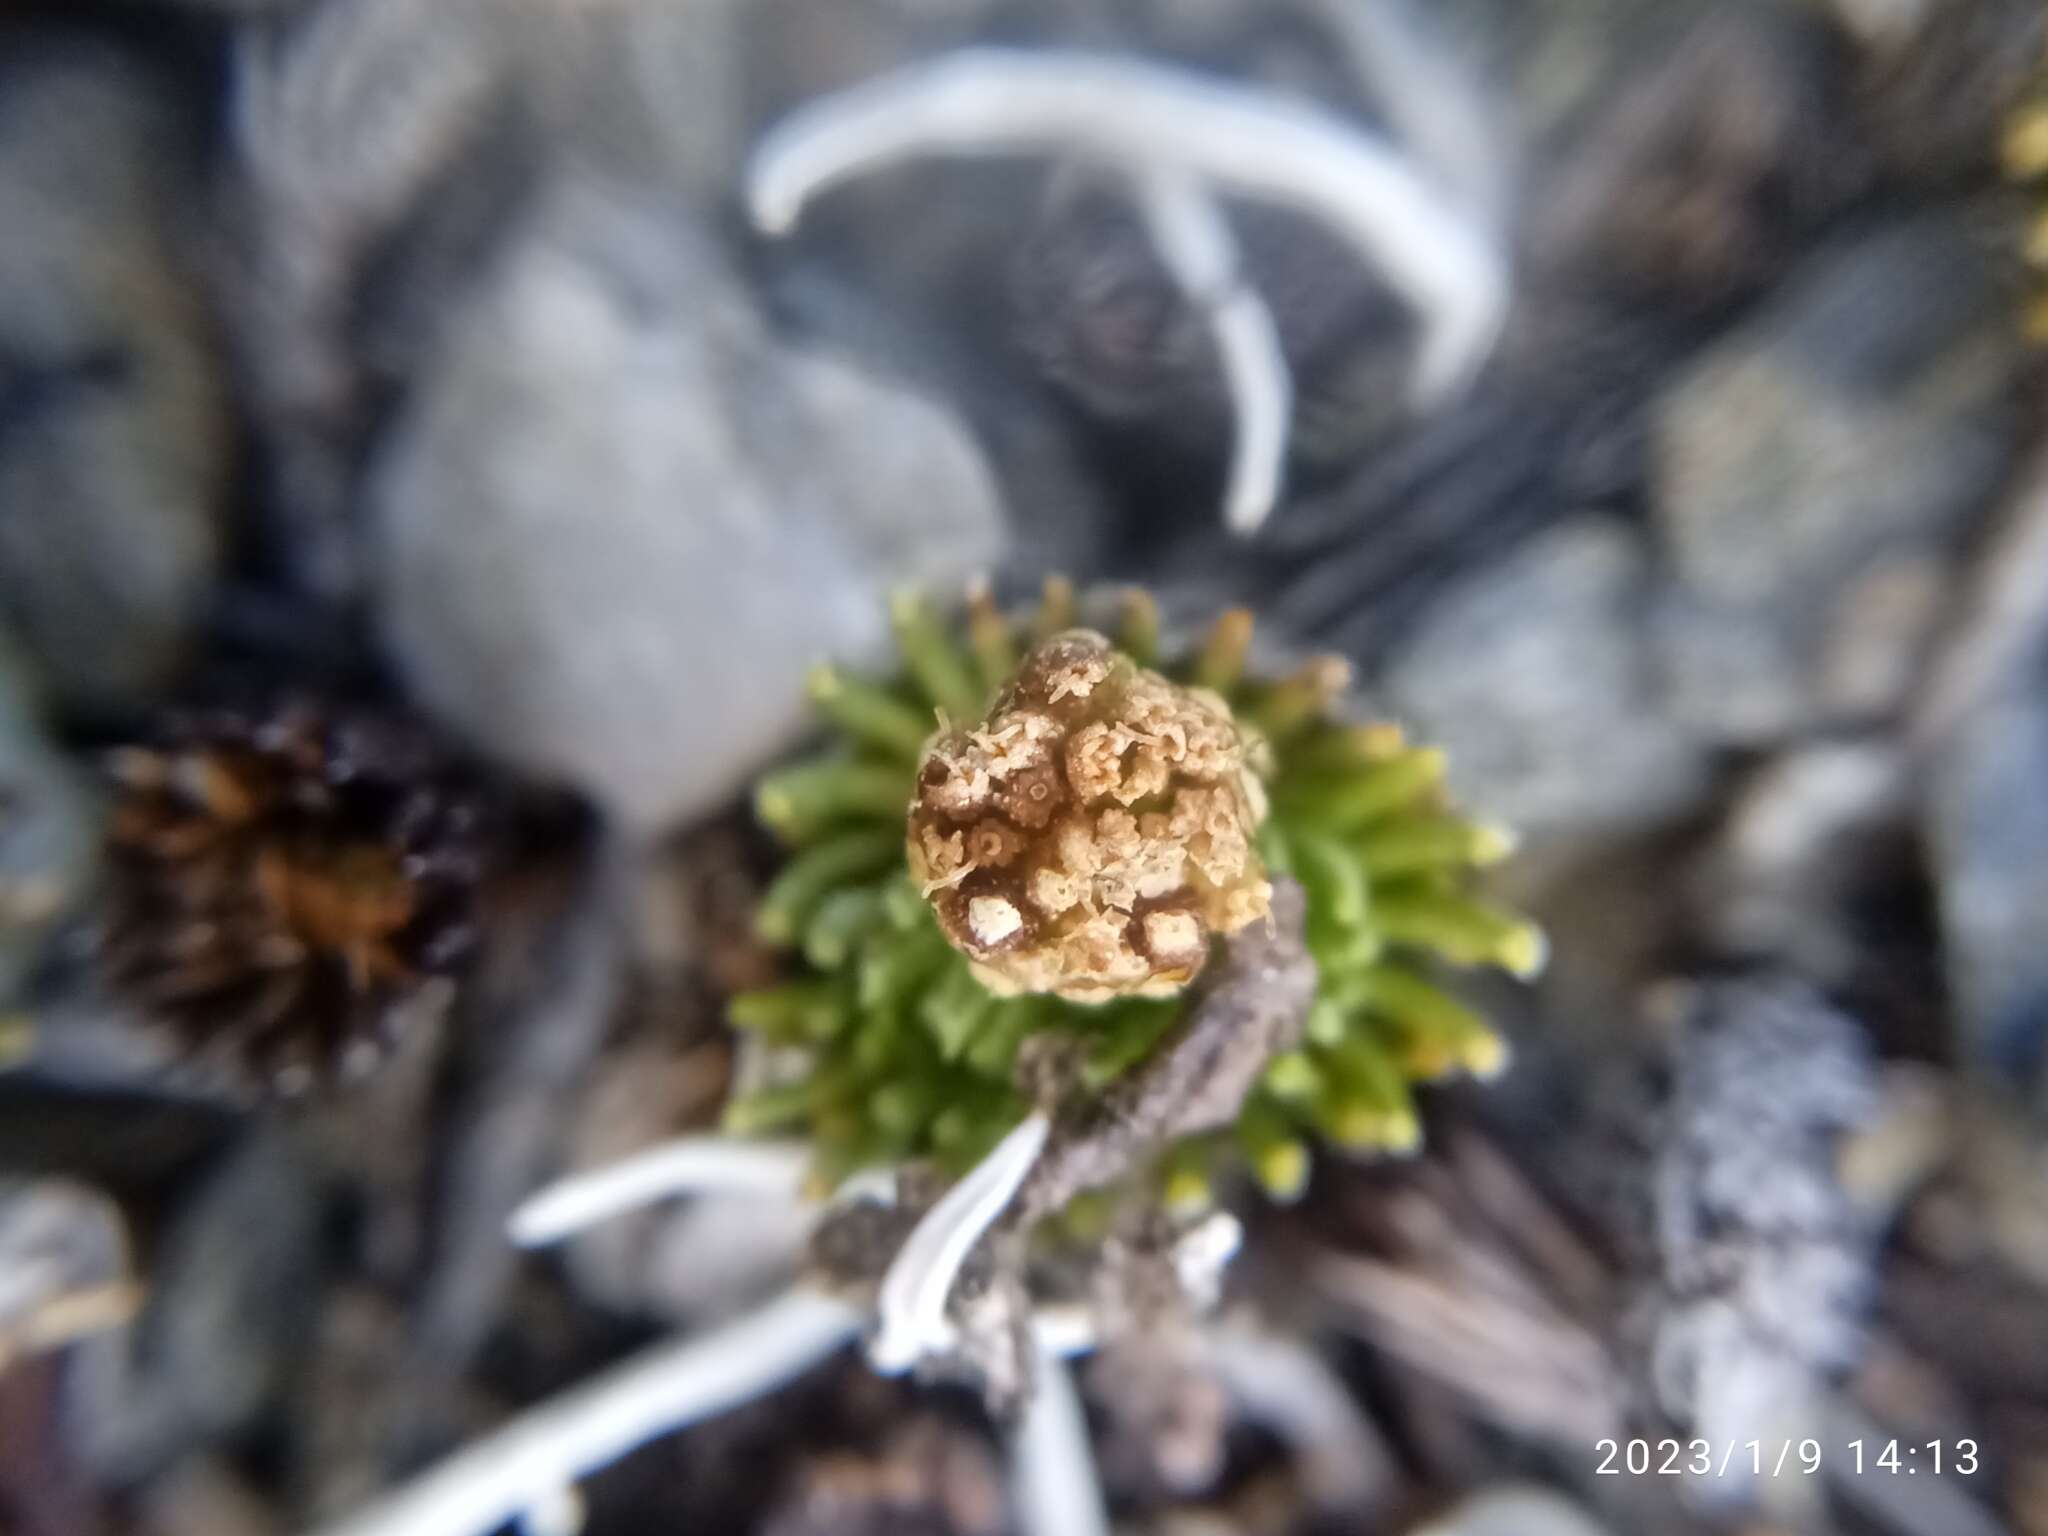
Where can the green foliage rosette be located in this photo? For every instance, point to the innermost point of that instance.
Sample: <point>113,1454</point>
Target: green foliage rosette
<point>882,1046</point>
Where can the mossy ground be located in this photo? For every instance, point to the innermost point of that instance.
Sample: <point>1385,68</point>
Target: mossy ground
<point>895,1051</point>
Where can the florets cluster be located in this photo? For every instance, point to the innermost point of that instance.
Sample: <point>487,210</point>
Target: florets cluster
<point>1092,833</point>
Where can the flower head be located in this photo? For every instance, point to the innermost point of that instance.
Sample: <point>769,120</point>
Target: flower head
<point>283,881</point>
<point>1090,834</point>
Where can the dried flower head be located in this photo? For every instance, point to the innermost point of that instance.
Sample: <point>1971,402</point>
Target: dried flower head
<point>942,892</point>
<point>1092,831</point>
<point>282,882</point>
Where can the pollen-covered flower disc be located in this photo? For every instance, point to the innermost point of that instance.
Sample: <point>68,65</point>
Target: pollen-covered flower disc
<point>1092,833</point>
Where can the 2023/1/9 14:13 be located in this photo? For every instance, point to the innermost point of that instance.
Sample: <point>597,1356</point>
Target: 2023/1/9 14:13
<point>1780,1458</point>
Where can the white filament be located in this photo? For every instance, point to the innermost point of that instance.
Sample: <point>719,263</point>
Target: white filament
<point>527,1463</point>
<point>1145,119</point>
<point>1052,1465</point>
<point>694,1165</point>
<point>912,1304</point>
<point>1195,244</point>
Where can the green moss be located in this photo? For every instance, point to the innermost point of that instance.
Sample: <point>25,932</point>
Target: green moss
<point>909,1056</point>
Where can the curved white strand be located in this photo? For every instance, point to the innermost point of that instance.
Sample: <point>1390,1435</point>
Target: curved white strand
<point>1144,118</point>
<point>1052,1463</point>
<point>912,1304</point>
<point>1194,241</point>
<point>690,1166</point>
<point>531,1459</point>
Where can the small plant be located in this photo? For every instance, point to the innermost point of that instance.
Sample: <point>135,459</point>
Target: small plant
<point>889,1043</point>
<point>1029,1062</point>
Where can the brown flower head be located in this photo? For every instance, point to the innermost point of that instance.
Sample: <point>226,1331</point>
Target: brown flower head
<point>282,882</point>
<point>1092,833</point>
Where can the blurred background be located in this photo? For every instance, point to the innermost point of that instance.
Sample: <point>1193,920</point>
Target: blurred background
<point>430,392</point>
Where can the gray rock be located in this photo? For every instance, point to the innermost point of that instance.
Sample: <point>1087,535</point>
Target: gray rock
<point>382,154</point>
<point>232,1299</point>
<point>1513,1511</point>
<point>113,435</point>
<point>1552,62</point>
<point>59,1242</point>
<point>529,1019</point>
<point>231,9</point>
<point>1988,815</point>
<point>1532,675</point>
<point>1985,808</point>
<point>377,150</point>
<point>1752,1263</point>
<point>1818,868</point>
<point>1814,473</point>
<point>346,124</point>
<point>1936,79</point>
<point>620,519</point>
<point>1719,149</point>
<point>48,841</point>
